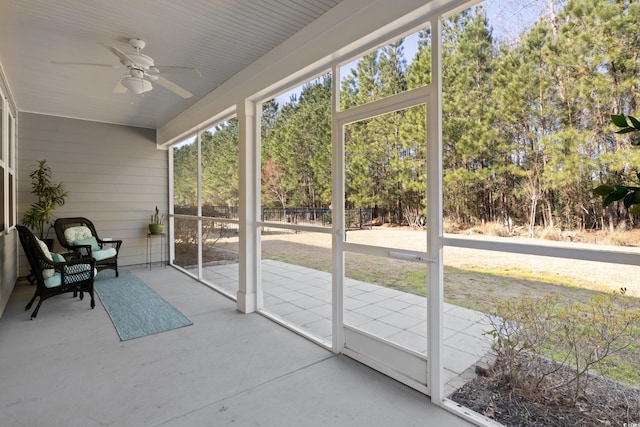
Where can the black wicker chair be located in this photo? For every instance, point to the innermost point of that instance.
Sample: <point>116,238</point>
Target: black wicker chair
<point>79,235</point>
<point>55,277</point>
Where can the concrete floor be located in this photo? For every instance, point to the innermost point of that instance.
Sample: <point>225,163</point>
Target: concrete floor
<point>301,296</point>
<point>69,368</point>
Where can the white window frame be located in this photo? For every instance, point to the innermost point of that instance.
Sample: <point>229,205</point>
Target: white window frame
<point>197,134</point>
<point>4,138</point>
<point>11,195</point>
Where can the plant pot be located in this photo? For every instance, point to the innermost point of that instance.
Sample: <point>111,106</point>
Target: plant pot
<point>156,228</point>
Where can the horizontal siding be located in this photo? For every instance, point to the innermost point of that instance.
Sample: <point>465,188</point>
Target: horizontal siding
<point>114,174</point>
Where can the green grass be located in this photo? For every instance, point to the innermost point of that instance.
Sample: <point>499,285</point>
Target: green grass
<point>621,367</point>
<point>522,274</point>
<point>621,370</point>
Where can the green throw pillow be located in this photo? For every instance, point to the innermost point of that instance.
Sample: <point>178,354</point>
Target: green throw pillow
<point>88,241</point>
<point>57,257</point>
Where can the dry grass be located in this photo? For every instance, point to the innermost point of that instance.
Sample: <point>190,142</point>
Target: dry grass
<point>472,277</point>
<point>492,229</point>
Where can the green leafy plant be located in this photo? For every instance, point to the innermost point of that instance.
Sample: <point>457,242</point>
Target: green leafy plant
<point>630,195</point>
<point>627,124</point>
<point>50,196</point>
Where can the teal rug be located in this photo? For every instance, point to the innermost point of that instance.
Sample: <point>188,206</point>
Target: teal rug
<point>135,309</point>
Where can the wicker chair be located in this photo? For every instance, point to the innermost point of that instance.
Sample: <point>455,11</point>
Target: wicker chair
<point>54,275</point>
<point>79,235</point>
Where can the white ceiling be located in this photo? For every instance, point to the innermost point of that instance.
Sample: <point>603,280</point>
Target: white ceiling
<point>217,37</point>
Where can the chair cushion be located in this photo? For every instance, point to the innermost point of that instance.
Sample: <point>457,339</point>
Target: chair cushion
<point>57,257</point>
<point>88,241</point>
<point>47,272</point>
<point>74,273</point>
<point>103,253</point>
<point>80,232</point>
<point>52,281</point>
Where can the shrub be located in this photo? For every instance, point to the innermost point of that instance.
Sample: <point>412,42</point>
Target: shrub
<point>551,233</point>
<point>492,229</point>
<point>579,337</point>
<point>520,330</point>
<point>620,238</point>
<point>451,226</point>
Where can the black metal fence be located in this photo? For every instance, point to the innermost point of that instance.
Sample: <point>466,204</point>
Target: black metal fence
<point>354,218</point>
<point>315,216</point>
<point>230,212</point>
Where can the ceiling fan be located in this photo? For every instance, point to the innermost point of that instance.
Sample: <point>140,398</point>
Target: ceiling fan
<point>141,71</point>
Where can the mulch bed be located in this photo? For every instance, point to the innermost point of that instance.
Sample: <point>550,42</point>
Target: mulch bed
<point>605,403</point>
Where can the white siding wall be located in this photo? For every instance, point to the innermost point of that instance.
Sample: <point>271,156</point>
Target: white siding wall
<point>114,174</point>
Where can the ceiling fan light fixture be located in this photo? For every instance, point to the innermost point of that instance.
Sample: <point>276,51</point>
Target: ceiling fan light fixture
<point>137,85</point>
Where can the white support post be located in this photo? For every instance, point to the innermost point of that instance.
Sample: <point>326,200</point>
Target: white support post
<point>435,297</point>
<point>249,165</point>
<point>171,219</point>
<point>337,201</point>
<point>199,203</point>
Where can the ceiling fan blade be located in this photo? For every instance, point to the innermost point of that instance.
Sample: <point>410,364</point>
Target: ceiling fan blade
<point>85,63</point>
<point>119,88</point>
<point>124,58</point>
<point>172,87</point>
<point>171,69</point>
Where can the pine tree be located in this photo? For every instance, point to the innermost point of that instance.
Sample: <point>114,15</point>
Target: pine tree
<point>467,62</point>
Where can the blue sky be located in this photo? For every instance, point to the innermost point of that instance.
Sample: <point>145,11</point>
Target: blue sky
<point>508,18</point>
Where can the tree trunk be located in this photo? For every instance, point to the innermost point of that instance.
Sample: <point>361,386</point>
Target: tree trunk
<point>611,222</point>
<point>532,215</point>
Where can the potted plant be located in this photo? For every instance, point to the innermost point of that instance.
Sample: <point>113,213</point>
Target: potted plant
<point>50,196</point>
<point>156,226</point>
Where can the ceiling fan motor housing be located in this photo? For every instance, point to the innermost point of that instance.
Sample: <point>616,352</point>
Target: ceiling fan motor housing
<point>140,60</point>
<point>137,44</point>
<point>136,59</point>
